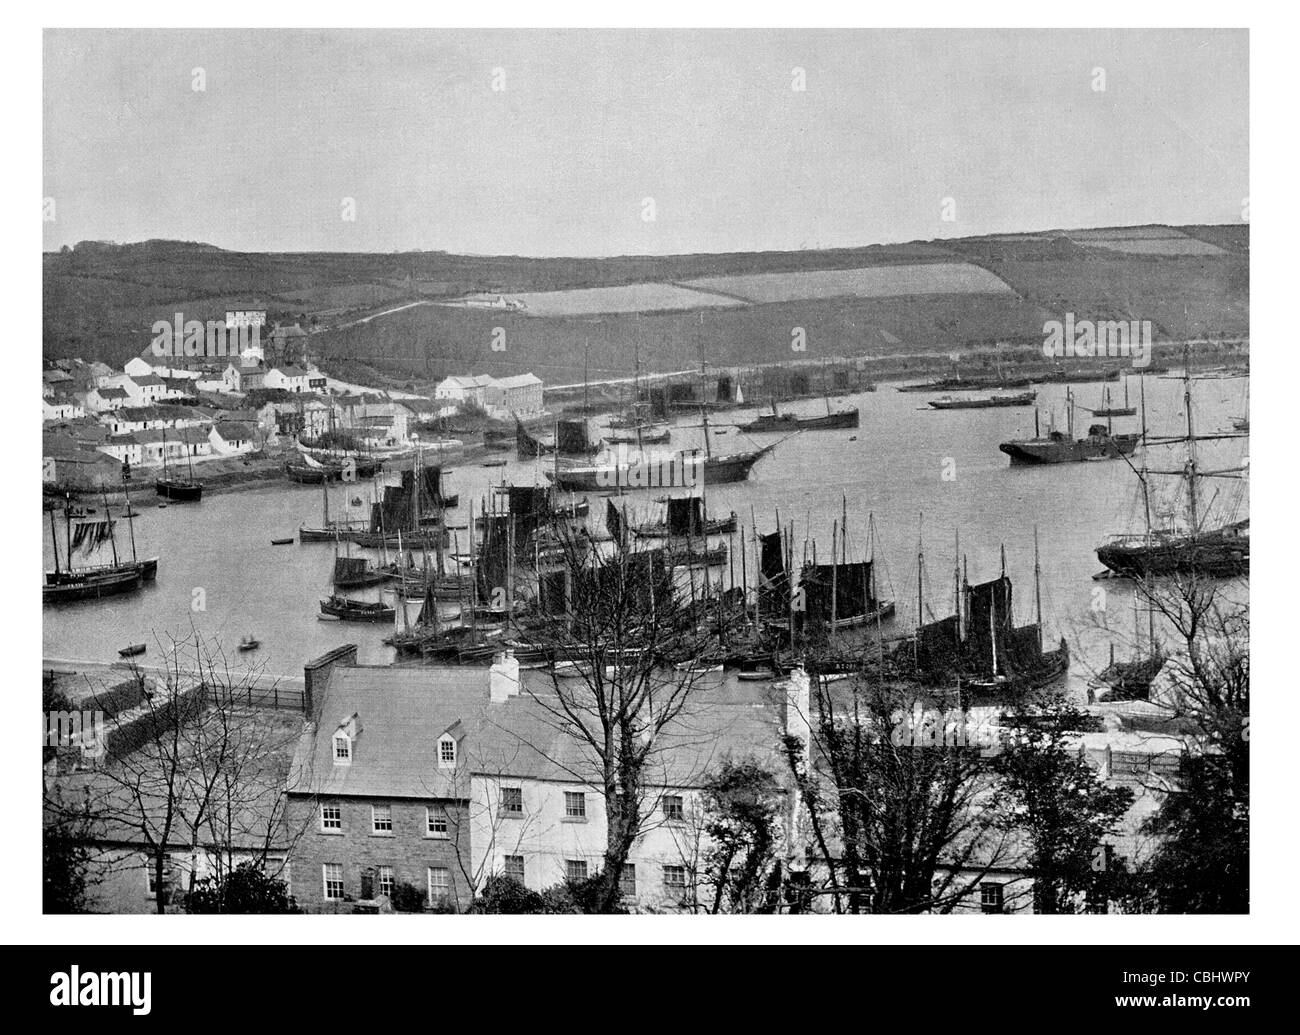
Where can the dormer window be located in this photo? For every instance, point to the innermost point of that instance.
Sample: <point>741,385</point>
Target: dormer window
<point>446,752</point>
<point>342,749</point>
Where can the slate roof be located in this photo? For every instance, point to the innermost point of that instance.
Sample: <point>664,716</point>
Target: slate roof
<point>402,714</point>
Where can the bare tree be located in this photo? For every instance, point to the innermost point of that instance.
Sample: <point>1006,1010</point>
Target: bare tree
<point>194,763</point>
<point>897,826</point>
<point>616,635</point>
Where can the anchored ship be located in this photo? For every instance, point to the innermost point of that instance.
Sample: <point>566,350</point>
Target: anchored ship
<point>1057,448</point>
<point>1221,551</point>
<point>984,402</point>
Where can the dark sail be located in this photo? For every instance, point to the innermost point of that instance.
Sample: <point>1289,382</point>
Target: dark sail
<point>553,593</point>
<point>494,555</point>
<point>431,494</point>
<point>527,503</point>
<point>841,591</point>
<point>773,581</point>
<point>685,516</point>
<point>1026,647</point>
<point>988,625</point>
<point>348,568</point>
<point>938,647</point>
<point>526,445</point>
<point>614,523</point>
<point>428,615</point>
<point>571,438</point>
<point>659,408</point>
<point>87,536</point>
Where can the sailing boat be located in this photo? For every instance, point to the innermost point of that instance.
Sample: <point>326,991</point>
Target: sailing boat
<point>183,489</point>
<point>979,646</point>
<point>1217,552</point>
<point>397,511</point>
<point>1107,410</point>
<point>641,429</point>
<point>842,594</point>
<point>999,655</point>
<point>685,517</point>
<point>355,572</point>
<point>66,584</point>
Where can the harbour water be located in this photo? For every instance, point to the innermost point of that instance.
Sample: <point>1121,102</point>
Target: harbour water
<point>926,476</point>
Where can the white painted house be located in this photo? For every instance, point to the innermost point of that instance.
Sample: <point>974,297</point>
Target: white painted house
<point>288,378</point>
<point>517,396</point>
<point>537,816</point>
<point>460,389</point>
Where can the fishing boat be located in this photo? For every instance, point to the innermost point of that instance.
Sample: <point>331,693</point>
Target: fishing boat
<point>527,446</point>
<point>843,594</point>
<point>69,583</point>
<point>697,555</point>
<point>979,647</point>
<point>282,542</point>
<point>1193,547</point>
<point>1101,443</point>
<point>133,650</point>
<point>185,490</point>
<point>90,585</point>
<point>309,469</point>
<point>1107,410</point>
<point>356,572</point>
<point>685,517</point>
<point>983,402</point>
<point>248,643</point>
<point>1129,680</point>
<point>349,610</point>
<point>412,509</point>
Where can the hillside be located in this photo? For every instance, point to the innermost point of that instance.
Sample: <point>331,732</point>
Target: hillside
<point>1191,282</point>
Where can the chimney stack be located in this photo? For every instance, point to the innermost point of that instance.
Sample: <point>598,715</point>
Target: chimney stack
<point>503,678</point>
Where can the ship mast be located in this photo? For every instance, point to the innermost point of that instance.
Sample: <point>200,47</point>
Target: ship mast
<point>1146,507</point>
<point>112,539</point>
<point>920,580</point>
<point>130,514</point>
<point>1192,516</point>
<point>1038,592</point>
<point>54,538</point>
<point>956,577</point>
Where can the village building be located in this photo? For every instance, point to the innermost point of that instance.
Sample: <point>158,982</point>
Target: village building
<point>287,378</point>
<point>232,437</point>
<point>106,397</point>
<point>147,448</point>
<point>241,377</point>
<point>122,849</point>
<point>458,389</point>
<point>61,407</point>
<point>144,389</point>
<point>516,396</point>
<point>74,465</point>
<point>126,419</point>
<point>379,787</point>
